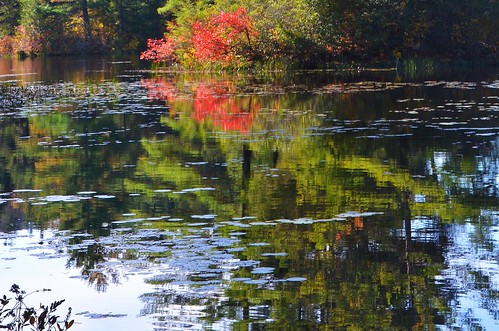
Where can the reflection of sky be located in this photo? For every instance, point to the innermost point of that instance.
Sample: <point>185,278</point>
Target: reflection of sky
<point>487,176</point>
<point>35,266</point>
<point>424,229</point>
<point>470,282</point>
<point>482,180</point>
<point>473,253</point>
<point>32,261</point>
<point>440,159</point>
<point>473,273</point>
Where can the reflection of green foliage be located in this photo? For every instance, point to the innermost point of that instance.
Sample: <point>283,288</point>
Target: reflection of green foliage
<point>174,174</point>
<point>320,177</point>
<point>359,290</point>
<point>323,177</point>
<point>360,272</point>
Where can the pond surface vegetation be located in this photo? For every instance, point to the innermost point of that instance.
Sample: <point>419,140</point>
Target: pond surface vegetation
<point>284,201</point>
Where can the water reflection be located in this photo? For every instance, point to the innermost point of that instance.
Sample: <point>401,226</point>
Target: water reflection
<point>67,69</point>
<point>302,202</point>
<point>211,101</point>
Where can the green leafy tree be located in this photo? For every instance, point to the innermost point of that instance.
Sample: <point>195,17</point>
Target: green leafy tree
<point>367,30</point>
<point>284,29</point>
<point>41,27</point>
<point>9,16</point>
<point>287,29</point>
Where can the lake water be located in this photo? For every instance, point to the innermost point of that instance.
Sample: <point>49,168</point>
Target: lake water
<point>279,201</point>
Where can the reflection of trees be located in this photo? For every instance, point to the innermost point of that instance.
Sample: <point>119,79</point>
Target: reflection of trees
<point>103,277</point>
<point>13,164</point>
<point>212,101</point>
<point>358,276</point>
<point>50,69</point>
<point>352,269</point>
<point>173,309</point>
<point>11,218</point>
<point>297,154</point>
<point>66,154</point>
<point>91,259</point>
<point>344,175</point>
<point>87,257</point>
<point>287,162</point>
<point>360,273</point>
<point>16,170</point>
<point>471,176</point>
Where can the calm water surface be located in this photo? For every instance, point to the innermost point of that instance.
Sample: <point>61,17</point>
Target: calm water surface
<point>286,201</point>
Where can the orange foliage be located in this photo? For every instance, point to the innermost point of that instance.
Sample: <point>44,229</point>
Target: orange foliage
<point>357,225</point>
<point>6,45</point>
<point>27,40</point>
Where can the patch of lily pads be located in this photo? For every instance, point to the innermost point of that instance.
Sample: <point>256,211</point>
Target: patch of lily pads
<point>191,260</point>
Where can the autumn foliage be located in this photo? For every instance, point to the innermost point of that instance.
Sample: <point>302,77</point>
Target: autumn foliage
<point>222,39</point>
<point>24,42</point>
<point>159,50</point>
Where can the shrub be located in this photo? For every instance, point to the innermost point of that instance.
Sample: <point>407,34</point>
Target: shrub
<point>6,45</point>
<point>27,41</point>
<point>160,50</point>
<point>223,39</point>
<point>19,315</point>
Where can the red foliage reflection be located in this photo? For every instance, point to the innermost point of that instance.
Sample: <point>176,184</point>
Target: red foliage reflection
<point>160,90</point>
<point>211,102</point>
<point>356,225</point>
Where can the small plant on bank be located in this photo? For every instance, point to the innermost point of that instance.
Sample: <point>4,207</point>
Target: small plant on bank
<point>19,316</point>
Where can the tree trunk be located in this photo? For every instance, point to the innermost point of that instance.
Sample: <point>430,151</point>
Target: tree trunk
<point>86,20</point>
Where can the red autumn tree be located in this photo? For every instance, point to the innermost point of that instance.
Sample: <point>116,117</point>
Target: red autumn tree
<point>162,50</point>
<point>159,50</point>
<point>223,38</point>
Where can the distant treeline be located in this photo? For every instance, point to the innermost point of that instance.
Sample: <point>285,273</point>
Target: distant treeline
<point>242,32</point>
<point>33,27</point>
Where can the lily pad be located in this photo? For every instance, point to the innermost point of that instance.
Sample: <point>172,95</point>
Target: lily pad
<point>263,270</point>
<point>295,279</point>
